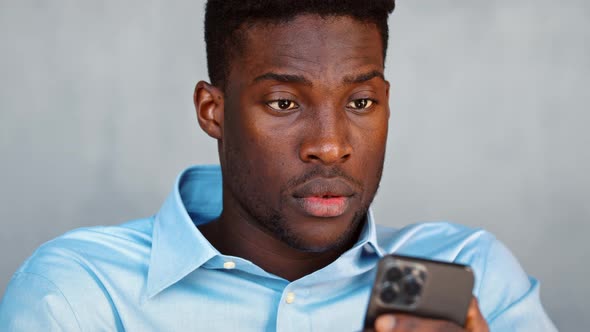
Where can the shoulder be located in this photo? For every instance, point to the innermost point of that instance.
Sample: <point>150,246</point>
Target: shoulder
<point>436,240</point>
<point>93,246</point>
<point>73,277</point>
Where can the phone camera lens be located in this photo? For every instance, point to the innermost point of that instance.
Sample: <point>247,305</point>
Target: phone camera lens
<point>388,294</point>
<point>423,275</point>
<point>394,274</point>
<point>412,287</point>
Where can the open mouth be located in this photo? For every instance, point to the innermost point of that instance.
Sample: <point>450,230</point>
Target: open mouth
<point>324,197</point>
<point>324,206</point>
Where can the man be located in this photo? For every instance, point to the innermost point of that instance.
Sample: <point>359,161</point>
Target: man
<point>281,236</point>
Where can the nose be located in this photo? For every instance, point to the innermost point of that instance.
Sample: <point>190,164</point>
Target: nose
<point>326,138</point>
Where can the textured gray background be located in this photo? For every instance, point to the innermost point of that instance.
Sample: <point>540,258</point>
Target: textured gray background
<point>488,128</point>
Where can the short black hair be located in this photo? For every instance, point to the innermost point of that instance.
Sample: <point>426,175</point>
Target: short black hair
<point>224,19</point>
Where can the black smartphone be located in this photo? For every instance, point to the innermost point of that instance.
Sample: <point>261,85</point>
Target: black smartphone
<point>420,287</point>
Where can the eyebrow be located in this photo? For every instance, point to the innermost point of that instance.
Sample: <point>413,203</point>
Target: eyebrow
<point>363,77</point>
<point>284,78</point>
<point>289,78</point>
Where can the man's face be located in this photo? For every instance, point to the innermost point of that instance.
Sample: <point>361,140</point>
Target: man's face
<point>304,129</point>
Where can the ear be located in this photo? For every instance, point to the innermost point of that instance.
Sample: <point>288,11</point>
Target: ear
<point>209,106</point>
<point>387,89</point>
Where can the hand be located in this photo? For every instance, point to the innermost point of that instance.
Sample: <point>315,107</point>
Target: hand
<point>475,322</point>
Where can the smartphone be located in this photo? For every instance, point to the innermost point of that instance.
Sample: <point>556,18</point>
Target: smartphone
<point>420,287</point>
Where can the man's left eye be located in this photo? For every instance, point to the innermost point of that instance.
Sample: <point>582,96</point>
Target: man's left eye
<point>360,104</point>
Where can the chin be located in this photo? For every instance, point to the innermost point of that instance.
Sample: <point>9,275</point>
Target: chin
<point>323,238</point>
<point>315,245</point>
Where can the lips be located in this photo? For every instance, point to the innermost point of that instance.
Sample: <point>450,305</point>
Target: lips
<point>324,198</point>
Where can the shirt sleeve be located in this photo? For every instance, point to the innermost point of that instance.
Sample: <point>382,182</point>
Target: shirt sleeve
<point>509,298</point>
<point>33,303</point>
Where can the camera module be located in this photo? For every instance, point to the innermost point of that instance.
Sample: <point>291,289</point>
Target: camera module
<point>401,285</point>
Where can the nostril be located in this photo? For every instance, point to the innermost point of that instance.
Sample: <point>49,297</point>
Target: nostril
<point>325,151</point>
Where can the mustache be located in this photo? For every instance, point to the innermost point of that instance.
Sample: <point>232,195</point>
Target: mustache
<point>323,172</point>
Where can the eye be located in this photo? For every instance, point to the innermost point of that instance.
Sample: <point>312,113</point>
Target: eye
<point>283,105</point>
<point>360,104</point>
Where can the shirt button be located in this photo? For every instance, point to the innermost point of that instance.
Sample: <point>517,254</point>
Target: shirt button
<point>290,298</point>
<point>229,265</point>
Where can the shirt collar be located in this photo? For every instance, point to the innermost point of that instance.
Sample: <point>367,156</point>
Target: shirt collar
<point>368,237</point>
<point>178,247</point>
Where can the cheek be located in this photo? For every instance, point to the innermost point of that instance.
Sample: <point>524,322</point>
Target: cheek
<point>369,146</point>
<point>370,138</point>
<point>264,150</point>
<point>256,157</point>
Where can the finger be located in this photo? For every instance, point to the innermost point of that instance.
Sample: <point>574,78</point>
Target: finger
<point>475,322</point>
<point>407,323</point>
<point>385,323</point>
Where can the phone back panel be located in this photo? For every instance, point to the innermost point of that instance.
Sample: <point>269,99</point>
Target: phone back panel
<point>446,290</point>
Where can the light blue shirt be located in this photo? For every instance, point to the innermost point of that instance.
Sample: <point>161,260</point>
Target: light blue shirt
<point>161,274</point>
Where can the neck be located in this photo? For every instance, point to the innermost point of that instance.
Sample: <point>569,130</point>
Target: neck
<point>234,236</point>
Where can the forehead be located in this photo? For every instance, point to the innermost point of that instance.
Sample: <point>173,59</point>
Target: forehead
<point>318,47</point>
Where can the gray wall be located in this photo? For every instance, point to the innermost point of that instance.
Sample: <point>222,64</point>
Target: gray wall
<point>488,128</point>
